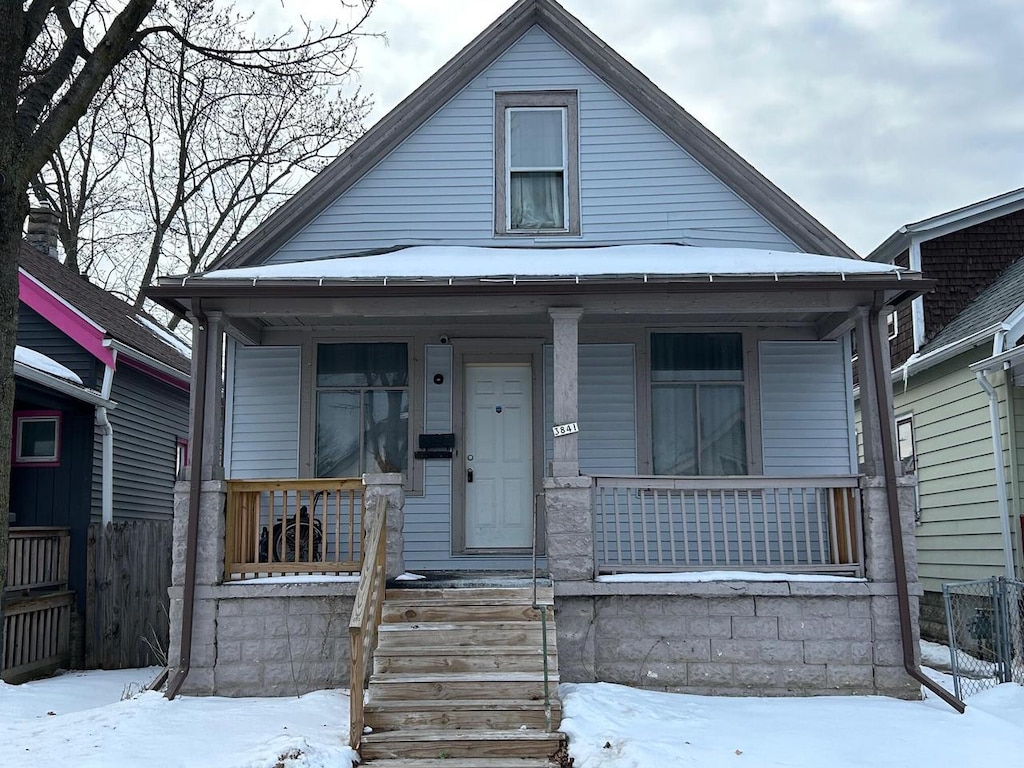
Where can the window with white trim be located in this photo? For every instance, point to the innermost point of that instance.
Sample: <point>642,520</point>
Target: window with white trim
<point>905,450</point>
<point>536,163</point>
<point>37,437</point>
<point>698,419</point>
<point>362,408</point>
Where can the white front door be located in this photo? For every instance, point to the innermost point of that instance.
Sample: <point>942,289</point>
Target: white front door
<point>499,456</point>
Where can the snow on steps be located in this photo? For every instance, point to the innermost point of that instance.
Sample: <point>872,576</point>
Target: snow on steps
<point>459,677</point>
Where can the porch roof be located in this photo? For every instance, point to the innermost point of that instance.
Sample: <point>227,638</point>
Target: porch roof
<point>614,278</point>
<point>433,263</point>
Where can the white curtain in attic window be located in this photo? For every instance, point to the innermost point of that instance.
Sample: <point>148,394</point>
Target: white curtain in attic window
<point>536,169</point>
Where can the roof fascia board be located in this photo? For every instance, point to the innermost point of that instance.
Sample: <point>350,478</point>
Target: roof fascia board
<point>62,385</point>
<point>69,319</point>
<point>149,365</point>
<point>917,364</point>
<point>382,138</point>
<point>1004,360</point>
<point>686,131</point>
<point>947,223</point>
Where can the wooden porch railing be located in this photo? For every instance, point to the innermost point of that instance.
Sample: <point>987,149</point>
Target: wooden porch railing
<point>663,524</point>
<point>366,613</point>
<point>37,619</point>
<point>308,526</point>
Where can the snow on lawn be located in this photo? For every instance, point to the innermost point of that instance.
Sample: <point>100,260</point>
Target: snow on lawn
<point>610,726</point>
<point>91,728</point>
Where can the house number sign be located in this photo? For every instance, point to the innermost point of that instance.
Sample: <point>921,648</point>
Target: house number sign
<point>561,430</point>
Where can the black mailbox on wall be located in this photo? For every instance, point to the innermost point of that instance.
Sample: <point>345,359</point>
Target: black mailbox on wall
<point>436,446</point>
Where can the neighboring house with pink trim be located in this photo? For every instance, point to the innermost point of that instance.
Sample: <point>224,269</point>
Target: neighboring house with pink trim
<point>101,406</point>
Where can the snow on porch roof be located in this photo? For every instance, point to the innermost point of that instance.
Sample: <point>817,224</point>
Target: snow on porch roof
<point>433,263</point>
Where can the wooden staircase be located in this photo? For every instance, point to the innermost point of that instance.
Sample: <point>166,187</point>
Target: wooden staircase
<point>462,678</point>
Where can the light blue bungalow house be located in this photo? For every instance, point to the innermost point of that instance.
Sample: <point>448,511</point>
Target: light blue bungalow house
<point>568,333</point>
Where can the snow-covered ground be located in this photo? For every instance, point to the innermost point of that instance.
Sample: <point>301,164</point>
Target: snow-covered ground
<point>80,720</point>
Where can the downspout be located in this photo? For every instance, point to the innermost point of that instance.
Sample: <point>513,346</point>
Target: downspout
<point>195,486</point>
<point>997,456</point>
<point>895,524</point>
<point>107,431</point>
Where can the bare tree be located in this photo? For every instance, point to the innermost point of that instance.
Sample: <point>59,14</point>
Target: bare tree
<point>56,56</point>
<point>194,152</point>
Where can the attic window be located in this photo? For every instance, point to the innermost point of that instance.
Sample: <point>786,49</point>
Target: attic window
<point>536,186</point>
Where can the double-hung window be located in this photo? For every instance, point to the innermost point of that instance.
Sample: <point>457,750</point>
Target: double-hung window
<point>536,163</point>
<point>698,419</point>
<point>362,408</point>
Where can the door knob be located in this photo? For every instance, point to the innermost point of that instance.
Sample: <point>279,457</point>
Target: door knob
<point>469,474</point>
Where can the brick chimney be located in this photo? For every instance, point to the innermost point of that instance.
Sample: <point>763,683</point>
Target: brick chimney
<point>42,231</point>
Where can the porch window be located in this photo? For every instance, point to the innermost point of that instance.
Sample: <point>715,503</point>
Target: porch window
<point>536,186</point>
<point>698,422</point>
<point>37,438</point>
<point>362,409</point>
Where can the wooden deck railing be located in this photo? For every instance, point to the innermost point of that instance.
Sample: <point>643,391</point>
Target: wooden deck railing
<point>366,613</point>
<point>792,524</point>
<point>308,526</point>
<point>37,558</point>
<point>37,619</point>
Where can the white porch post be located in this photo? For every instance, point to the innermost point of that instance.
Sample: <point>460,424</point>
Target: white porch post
<point>565,322</point>
<point>568,501</point>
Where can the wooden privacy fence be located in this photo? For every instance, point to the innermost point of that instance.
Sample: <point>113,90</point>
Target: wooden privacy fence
<point>129,572</point>
<point>37,616</point>
<point>795,524</point>
<point>304,526</point>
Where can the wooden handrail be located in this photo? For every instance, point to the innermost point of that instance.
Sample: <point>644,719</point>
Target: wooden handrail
<point>366,614</point>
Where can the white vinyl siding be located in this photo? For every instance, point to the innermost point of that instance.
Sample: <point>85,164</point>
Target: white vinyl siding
<point>636,184</point>
<point>262,412</point>
<point>607,409</point>
<point>806,408</point>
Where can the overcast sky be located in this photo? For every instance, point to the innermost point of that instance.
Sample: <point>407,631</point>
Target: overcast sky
<point>869,113</point>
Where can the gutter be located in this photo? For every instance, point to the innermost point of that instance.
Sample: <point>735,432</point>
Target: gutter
<point>147,360</point>
<point>895,523</point>
<point>195,486</point>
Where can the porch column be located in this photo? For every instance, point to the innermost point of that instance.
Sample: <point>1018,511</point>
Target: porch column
<point>888,610</point>
<point>568,501</point>
<point>193,617</point>
<point>565,322</point>
<point>389,485</point>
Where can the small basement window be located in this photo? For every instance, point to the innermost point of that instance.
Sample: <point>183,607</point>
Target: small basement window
<point>536,163</point>
<point>37,438</point>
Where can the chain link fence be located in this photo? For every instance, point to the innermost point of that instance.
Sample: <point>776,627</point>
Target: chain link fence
<point>986,633</point>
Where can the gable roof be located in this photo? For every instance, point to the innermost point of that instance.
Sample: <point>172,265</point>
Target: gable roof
<point>945,223</point>
<point>122,322</point>
<point>994,306</point>
<point>621,76</point>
